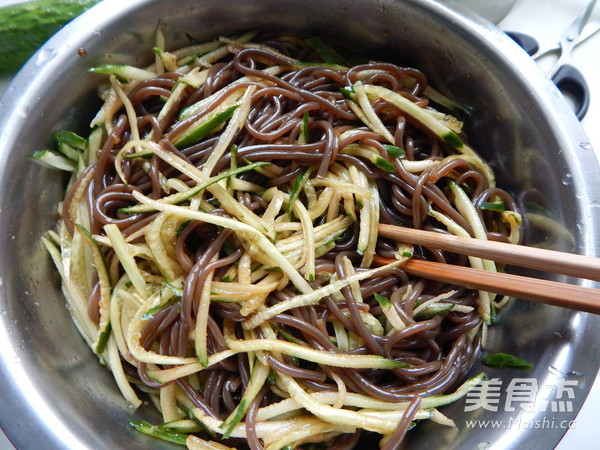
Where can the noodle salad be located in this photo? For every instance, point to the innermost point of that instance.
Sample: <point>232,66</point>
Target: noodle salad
<point>218,243</point>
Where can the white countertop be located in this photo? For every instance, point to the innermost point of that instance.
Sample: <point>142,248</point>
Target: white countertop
<point>544,19</point>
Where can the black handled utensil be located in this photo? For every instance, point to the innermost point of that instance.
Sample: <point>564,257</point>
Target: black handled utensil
<point>565,75</point>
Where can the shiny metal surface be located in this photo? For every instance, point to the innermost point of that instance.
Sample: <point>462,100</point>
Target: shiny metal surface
<point>54,392</point>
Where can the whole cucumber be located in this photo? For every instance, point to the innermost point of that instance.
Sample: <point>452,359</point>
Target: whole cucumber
<point>25,27</point>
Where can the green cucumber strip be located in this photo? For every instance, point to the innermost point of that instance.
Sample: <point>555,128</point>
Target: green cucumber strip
<point>180,197</point>
<point>228,247</point>
<point>394,151</point>
<point>506,360</point>
<point>348,92</point>
<point>384,164</point>
<point>183,426</point>
<point>168,59</point>
<point>452,139</point>
<point>103,274</point>
<point>326,53</point>
<point>89,238</point>
<point>123,72</point>
<point>498,206</point>
<point>460,111</point>
<point>157,432</point>
<point>384,302</point>
<point>289,337</point>
<point>300,180</point>
<point>239,414</point>
<point>193,79</point>
<point>432,311</point>
<point>175,290</point>
<point>493,315</point>
<point>103,339</point>
<point>181,227</point>
<point>304,128</point>
<point>143,155</point>
<point>53,160</point>
<point>152,311</point>
<point>72,139</point>
<point>190,413</point>
<point>234,163</point>
<point>70,144</point>
<point>300,65</point>
<point>196,133</point>
<point>69,151</point>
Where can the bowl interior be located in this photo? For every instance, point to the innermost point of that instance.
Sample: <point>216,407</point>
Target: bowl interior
<point>54,385</point>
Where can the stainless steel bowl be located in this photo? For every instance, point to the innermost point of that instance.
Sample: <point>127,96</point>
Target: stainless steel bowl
<point>54,392</point>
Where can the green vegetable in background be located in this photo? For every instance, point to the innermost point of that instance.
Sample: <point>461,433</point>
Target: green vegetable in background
<point>506,360</point>
<point>25,27</point>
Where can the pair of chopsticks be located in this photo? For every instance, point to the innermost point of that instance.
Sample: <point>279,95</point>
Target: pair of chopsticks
<point>545,291</point>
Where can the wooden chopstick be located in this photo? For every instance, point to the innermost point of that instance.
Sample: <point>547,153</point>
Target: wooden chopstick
<point>545,291</point>
<point>550,261</point>
<point>570,296</point>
